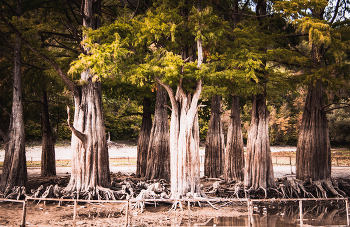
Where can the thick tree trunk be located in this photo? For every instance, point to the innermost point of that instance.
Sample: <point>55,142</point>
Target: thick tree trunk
<point>234,159</point>
<point>258,168</point>
<point>214,144</point>
<point>90,161</point>
<point>144,137</point>
<point>313,159</point>
<point>184,130</point>
<point>158,163</point>
<point>15,167</point>
<point>48,160</point>
<point>184,141</point>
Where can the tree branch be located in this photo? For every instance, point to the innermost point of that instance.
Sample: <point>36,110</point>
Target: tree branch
<point>137,7</point>
<point>4,135</point>
<point>170,92</point>
<point>295,48</point>
<point>77,133</point>
<point>60,72</point>
<point>335,11</point>
<point>334,108</point>
<point>168,107</point>
<point>7,41</point>
<point>133,49</point>
<point>5,111</point>
<point>12,9</point>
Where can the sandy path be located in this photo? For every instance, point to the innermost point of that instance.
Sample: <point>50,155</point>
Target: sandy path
<point>33,153</point>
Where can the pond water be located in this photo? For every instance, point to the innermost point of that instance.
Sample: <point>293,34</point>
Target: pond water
<point>287,215</point>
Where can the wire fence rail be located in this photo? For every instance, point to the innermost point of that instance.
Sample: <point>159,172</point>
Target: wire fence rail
<point>128,202</point>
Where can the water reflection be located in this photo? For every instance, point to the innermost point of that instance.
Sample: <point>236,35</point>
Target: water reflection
<point>287,215</point>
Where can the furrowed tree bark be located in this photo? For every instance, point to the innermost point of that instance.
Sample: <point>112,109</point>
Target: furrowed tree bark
<point>184,130</point>
<point>184,141</point>
<point>48,160</point>
<point>258,168</point>
<point>144,138</point>
<point>214,144</point>
<point>184,138</point>
<point>15,166</point>
<point>234,158</point>
<point>313,156</point>
<point>158,163</point>
<point>90,161</point>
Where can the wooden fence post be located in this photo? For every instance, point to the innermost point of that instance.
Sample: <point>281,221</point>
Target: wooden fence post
<point>24,213</point>
<point>301,212</point>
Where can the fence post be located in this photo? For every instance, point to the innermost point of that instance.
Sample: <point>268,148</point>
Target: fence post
<point>250,212</point>
<point>347,212</point>
<point>24,213</point>
<point>301,212</point>
<point>127,214</point>
<point>75,211</point>
<point>189,212</point>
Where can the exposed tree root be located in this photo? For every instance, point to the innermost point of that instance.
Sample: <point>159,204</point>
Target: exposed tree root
<point>328,188</point>
<point>15,193</point>
<point>140,190</point>
<point>153,191</point>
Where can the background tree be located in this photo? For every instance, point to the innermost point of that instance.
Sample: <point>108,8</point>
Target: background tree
<point>170,59</point>
<point>15,166</point>
<point>144,138</point>
<point>214,143</point>
<point>234,158</point>
<point>158,156</point>
<point>323,67</point>
<point>89,146</point>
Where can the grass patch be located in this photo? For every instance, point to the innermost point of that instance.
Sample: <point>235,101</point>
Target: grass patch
<point>67,163</point>
<point>122,161</point>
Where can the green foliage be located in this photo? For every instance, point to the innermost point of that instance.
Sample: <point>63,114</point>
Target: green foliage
<point>122,118</point>
<point>339,126</point>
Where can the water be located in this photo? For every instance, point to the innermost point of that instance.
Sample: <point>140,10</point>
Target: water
<point>287,215</point>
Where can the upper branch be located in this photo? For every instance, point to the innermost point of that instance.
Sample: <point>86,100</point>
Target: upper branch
<point>170,92</point>
<point>335,12</point>
<point>340,106</point>
<point>60,72</point>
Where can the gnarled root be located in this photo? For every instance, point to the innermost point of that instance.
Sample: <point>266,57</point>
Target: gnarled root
<point>153,191</point>
<point>16,192</point>
<point>174,206</point>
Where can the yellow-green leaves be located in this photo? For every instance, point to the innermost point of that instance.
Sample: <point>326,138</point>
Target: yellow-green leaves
<point>319,31</point>
<point>296,9</point>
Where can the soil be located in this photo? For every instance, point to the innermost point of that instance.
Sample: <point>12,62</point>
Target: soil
<point>111,214</point>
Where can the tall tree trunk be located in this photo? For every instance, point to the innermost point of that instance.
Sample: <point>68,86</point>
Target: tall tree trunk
<point>158,163</point>
<point>15,166</point>
<point>48,160</point>
<point>184,141</point>
<point>144,137</point>
<point>214,144</point>
<point>258,168</point>
<point>184,130</point>
<point>234,159</point>
<point>90,161</point>
<point>313,158</point>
